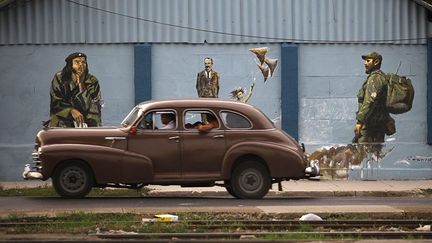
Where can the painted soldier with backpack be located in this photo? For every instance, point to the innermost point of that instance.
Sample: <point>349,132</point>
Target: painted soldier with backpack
<point>373,119</point>
<point>380,95</point>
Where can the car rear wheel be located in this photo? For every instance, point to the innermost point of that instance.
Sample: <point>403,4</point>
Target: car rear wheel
<point>73,180</point>
<point>250,180</point>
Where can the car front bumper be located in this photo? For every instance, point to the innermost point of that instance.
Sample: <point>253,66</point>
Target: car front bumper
<point>33,172</point>
<point>31,175</point>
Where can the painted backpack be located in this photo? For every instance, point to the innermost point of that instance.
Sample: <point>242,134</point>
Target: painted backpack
<point>400,94</point>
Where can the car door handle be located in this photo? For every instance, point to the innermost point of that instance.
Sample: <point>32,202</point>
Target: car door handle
<point>219,136</point>
<point>115,138</point>
<point>174,138</point>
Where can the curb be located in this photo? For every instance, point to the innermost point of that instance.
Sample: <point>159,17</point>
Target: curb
<point>404,193</point>
<point>302,189</point>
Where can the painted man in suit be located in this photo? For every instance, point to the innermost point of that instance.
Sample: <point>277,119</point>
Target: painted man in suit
<point>207,84</point>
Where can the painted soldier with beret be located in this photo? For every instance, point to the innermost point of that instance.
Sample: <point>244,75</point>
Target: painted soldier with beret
<point>373,118</point>
<point>75,95</point>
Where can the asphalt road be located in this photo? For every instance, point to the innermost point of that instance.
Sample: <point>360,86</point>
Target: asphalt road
<point>54,205</point>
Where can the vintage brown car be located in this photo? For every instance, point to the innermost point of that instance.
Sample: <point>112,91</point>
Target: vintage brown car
<point>188,142</point>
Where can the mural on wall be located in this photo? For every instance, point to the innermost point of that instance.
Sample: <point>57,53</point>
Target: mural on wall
<point>373,118</point>
<point>207,83</point>
<point>266,65</point>
<point>76,99</point>
<point>337,161</point>
<point>379,95</point>
<point>239,93</point>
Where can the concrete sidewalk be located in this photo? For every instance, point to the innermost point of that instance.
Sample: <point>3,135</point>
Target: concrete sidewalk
<point>290,188</point>
<point>317,188</point>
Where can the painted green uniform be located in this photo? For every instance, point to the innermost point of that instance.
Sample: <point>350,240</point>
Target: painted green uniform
<point>67,95</point>
<point>372,111</point>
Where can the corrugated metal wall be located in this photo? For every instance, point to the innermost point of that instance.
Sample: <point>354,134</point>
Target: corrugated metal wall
<point>218,21</point>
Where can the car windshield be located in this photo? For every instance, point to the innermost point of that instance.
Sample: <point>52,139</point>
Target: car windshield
<point>133,115</point>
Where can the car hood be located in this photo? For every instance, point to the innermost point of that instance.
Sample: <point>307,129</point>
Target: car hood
<point>95,136</point>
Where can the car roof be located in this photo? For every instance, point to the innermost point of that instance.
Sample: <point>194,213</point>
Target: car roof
<point>258,118</point>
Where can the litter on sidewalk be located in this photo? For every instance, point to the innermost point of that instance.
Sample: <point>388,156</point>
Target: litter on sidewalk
<point>161,218</point>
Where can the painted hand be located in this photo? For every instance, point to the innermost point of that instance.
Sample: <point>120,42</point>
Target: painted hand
<point>77,116</point>
<point>357,129</point>
<point>79,81</point>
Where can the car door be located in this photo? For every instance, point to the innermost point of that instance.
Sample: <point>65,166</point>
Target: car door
<point>202,152</point>
<point>160,143</point>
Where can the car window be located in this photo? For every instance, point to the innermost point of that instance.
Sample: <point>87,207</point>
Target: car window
<point>193,118</point>
<point>159,120</point>
<point>235,120</point>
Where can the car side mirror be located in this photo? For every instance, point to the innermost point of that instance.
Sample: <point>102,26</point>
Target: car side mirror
<point>133,130</point>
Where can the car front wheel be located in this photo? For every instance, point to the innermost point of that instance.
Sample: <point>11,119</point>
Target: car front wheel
<point>250,180</point>
<point>73,180</point>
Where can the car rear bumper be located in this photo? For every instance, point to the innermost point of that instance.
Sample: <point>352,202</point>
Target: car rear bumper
<point>312,170</point>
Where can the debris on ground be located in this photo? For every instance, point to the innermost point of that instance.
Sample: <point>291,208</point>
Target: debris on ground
<point>247,237</point>
<point>161,218</point>
<point>310,217</point>
<point>424,228</point>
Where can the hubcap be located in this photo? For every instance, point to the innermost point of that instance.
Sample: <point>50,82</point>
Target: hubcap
<point>73,179</point>
<point>251,180</point>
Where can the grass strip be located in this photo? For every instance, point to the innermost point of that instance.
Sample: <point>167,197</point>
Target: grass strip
<point>95,192</point>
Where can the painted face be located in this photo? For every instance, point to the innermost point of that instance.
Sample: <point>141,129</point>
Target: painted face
<point>240,94</point>
<point>208,64</point>
<point>370,65</point>
<point>79,65</point>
